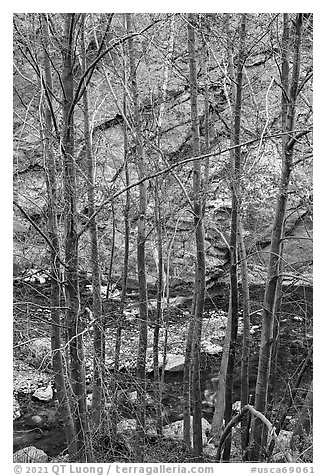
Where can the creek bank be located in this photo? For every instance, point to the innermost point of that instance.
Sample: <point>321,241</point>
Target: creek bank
<point>35,428</point>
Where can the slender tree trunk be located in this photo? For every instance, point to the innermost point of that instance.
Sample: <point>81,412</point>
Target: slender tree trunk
<point>220,382</point>
<point>245,341</point>
<point>71,244</point>
<point>159,298</point>
<point>124,275</point>
<point>109,285</point>
<point>126,250</point>
<point>141,240</point>
<point>235,187</point>
<point>98,364</point>
<point>56,276</point>
<point>207,120</point>
<point>220,385</point>
<point>288,116</point>
<point>199,288</point>
<point>159,231</point>
<point>276,335</point>
<point>187,377</point>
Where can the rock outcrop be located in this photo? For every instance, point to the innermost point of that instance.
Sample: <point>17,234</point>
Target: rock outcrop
<point>30,454</point>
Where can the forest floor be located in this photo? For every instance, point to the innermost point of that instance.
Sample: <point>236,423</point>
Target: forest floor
<point>31,320</point>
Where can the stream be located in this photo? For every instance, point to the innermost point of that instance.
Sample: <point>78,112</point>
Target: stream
<point>296,338</point>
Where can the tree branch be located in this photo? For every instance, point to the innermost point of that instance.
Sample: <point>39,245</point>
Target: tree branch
<point>266,422</point>
<point>37,228</point>
<point>294,139</point>
<point>168,169</point>
<point>79,91</point>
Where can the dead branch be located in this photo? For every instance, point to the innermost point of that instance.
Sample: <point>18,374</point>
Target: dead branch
<point>257,414</point>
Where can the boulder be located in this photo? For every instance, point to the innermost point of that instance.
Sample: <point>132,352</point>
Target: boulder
<point>174,431</point>
<point>174,363</point>
<point>44,394</point>
<point>30,455</point>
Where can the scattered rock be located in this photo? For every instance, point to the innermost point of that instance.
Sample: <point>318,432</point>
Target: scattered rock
<point>175,430</point>
<point>42,419</point>
<point>40,350</point>
<point>254,329</point>
<point>132,396</point>
<point>208,404</point>
<point>174,363</point>
<point>26,379</point>
<point>126,426</point>
<point>214,327</point>
<point>36,276</point>
<point>236,407</point>
<point>210,450</point>
<point>211,349</point>
<point>16,409</point>
<point>89,401</point>
<point>114,293</point>
<point>297,318</point>
<point>30,455</point>
<point>44,394</point>
<point>149,400</point>
<point>37,420</point>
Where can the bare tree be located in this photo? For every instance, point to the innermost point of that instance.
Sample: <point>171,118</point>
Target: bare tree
<point>288,104</point>
<point>199,288</point>
<point>53,233</point>
<point>141,240</point>
<point>71,240</point>
<point>99,336</point>
<point>224,384</point>
<point>236,193</point>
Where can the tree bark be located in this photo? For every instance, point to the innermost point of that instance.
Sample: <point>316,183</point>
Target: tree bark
<point>187,378</point>
<point>56,275</point>
<point>199,288</point>
<point>77,373</point>
<point>220,385</point>
<point>124,274</point>
<point>159,232</point>
<point>141,240</point>
<point>98,343</point>
<point>236,193</point>
<point>245,341</point>
<point>288,116</point>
